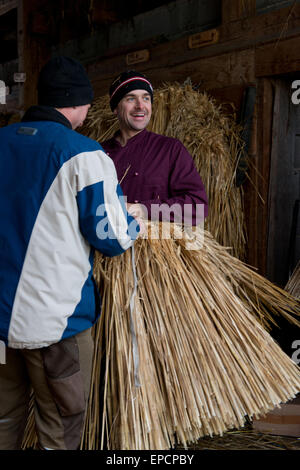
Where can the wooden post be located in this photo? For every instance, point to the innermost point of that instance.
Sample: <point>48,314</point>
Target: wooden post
<point>257,189</point>
<point>21,51</point>
<point>36,52</point>
<point>237,9</point>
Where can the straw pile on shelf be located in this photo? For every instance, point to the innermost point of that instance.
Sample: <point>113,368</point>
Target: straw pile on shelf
<point>212,139</point>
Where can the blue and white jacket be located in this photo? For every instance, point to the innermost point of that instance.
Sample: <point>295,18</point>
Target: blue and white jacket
<point>59,201</point>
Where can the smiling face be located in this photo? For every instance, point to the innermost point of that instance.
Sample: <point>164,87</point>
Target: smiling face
<point>134,112</point>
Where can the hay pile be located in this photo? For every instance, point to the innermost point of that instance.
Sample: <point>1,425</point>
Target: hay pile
<point>212,139</point>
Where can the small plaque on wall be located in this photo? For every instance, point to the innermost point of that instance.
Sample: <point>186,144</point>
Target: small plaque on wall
<point>205,38</point>
<point>19,77</point>
<point>137,57</point>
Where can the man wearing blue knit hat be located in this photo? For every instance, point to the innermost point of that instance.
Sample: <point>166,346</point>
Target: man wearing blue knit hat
<point>58,191</point>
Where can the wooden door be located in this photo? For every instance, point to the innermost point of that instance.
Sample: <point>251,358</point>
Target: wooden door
<point>283,249</point>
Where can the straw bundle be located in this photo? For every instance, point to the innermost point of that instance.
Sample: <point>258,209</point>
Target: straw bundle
<point>205,362</point>
<point>293,284</point>
<point>212,139</point>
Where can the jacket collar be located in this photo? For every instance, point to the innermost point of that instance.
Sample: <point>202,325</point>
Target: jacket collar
<point>45,113</point>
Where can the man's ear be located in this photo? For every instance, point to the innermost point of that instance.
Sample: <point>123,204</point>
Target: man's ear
<point>115,111</point>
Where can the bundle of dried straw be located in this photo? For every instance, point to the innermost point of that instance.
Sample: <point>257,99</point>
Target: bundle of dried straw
<point>205,361</point>
<point>293,285</point>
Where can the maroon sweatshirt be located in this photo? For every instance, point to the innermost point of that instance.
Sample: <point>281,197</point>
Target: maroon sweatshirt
<point>154,170</point>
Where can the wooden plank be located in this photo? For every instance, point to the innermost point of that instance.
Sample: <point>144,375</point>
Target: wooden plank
<point>237,35</point>
<point>205,38</point>
<point>280,57</point>
<point>20,36</point>
<point>236,9</point>
<point>214,72</point>
<point>236,68</point>
<point>137,57</point>
<point>5,7</point>
<point>257,188</point>
<point>170,59</point>
<point>36,52</point>
<point>283,421</point>
<point>263,28</point>
<point>282,196</point>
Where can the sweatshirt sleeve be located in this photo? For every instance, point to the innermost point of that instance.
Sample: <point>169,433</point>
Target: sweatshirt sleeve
<point>103,219</point>
<point>186,191</point>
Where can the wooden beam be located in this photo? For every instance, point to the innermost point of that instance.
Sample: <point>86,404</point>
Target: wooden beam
<point>20,36</point>
<point>7,6</point>
<point>209,73</point>
<point>36,52</point>
<point>256,191</point>
<point>238,35</point>
<point>280,57</point>
<point>233,10</point>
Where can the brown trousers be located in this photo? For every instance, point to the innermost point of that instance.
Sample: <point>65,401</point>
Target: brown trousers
<point>60,378</point>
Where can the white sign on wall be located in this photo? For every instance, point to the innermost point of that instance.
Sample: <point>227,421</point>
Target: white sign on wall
<point>2,353</point>
<point>2,92</point>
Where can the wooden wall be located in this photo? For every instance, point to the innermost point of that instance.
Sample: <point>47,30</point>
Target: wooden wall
<point>249,47</point>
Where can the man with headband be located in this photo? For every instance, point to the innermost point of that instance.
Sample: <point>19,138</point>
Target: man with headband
<point>156,172</point>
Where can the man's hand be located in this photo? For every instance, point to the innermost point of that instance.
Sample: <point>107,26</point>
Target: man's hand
<point>136,210</point>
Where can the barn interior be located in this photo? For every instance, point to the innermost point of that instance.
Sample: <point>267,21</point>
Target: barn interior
<point>245,54</point>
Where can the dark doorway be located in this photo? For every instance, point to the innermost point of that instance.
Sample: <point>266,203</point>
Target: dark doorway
<point>283,250</point>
